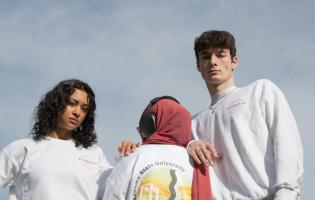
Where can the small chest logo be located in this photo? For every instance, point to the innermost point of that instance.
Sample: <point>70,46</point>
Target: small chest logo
<point>87,161</point>
<point>236,106</point>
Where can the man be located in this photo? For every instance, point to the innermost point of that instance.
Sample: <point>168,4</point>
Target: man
<point>251,128</point>
<point>248,134</point>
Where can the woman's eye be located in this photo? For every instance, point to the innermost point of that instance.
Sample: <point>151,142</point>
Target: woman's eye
<point>71,103</point>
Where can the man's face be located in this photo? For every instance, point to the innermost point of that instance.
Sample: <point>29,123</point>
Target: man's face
<point>216,66</point>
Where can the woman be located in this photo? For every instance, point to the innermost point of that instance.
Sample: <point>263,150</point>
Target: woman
<point>161,167</point>
<point>60,161</point>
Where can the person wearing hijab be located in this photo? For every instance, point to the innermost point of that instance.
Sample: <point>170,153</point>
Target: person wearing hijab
<point>161,167</point>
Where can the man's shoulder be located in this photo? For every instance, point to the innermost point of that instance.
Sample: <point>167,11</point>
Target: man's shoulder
<point>261,85</point>
<point>261,82</point>
<point>200,114</point>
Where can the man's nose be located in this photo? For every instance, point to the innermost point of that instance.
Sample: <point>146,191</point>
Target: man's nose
<point>213,59</point>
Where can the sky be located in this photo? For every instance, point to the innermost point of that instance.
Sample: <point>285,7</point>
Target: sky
<point>132,51</point>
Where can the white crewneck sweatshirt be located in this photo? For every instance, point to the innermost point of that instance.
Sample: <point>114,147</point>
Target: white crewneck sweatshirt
<point>53,169</point>
<point>153,171</point>
<point>253,130</point>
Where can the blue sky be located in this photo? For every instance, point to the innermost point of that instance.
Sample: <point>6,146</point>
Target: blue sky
<point>132,51</point>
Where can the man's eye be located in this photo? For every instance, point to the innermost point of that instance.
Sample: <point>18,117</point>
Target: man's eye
<point>221,55</point>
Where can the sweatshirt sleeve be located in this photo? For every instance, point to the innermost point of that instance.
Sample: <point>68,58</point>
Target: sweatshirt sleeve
<point>11,158</point>
<point>117,184</point>
<point>288,151</point>
<point>105,170</point>
<point>7,169</point>
<point>194,135</point>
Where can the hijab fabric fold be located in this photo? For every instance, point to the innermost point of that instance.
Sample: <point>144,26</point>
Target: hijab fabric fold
<point>174,127</point>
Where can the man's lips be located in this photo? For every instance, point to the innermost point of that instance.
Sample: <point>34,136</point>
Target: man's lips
<point>213,71</point>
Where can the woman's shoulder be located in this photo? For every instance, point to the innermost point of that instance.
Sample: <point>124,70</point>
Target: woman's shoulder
<point>24,142</point>
<point>95,149</point>
<point>18,149</point>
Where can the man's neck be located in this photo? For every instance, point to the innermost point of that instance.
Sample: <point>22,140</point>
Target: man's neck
<point>215,89</point>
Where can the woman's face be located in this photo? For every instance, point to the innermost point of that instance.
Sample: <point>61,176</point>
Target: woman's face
<point>75,112</point>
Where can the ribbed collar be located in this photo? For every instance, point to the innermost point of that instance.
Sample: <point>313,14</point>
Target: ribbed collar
<point>215,98</point>
<point>70,141</point>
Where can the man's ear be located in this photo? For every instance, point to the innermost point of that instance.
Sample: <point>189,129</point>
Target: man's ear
<point>234,63</point>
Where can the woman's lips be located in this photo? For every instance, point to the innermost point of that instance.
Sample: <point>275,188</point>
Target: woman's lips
<point>74,121</point>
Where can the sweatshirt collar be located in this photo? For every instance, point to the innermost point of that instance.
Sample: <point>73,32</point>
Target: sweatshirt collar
<point>215,98</point>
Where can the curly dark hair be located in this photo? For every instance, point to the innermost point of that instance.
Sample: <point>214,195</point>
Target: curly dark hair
<point>215,39</point>
<point>54,102</point>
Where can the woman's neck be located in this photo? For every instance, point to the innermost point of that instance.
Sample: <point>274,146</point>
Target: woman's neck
<point>61,134</point>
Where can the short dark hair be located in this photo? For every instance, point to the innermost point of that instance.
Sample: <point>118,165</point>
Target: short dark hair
<point>215,39</point>
<point>54,102</point>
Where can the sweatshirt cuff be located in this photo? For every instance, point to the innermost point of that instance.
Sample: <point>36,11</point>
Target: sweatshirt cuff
<point>286,194</point>
<point>189,144</point>
<point>2,182</point>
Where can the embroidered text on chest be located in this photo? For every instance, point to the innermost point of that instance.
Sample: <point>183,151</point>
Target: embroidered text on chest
<point>87,160</point>
<point>235,106</point>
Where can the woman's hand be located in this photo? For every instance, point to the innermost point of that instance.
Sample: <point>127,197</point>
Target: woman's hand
<point>127,147</point>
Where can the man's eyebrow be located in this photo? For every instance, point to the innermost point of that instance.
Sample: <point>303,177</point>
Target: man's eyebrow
<point>204,52</point>
<point>221,50</point>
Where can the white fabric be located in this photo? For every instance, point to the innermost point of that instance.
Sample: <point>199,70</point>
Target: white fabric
<point>150,172</point>
<point>52,169</point>
<point>253,130</point>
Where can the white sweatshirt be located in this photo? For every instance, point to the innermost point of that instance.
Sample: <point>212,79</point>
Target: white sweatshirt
<point>52,169</point>
<point>253,130</point>
<point>153,171</point>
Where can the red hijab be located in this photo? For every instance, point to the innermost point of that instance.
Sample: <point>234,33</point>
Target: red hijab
<point>173,124</point>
